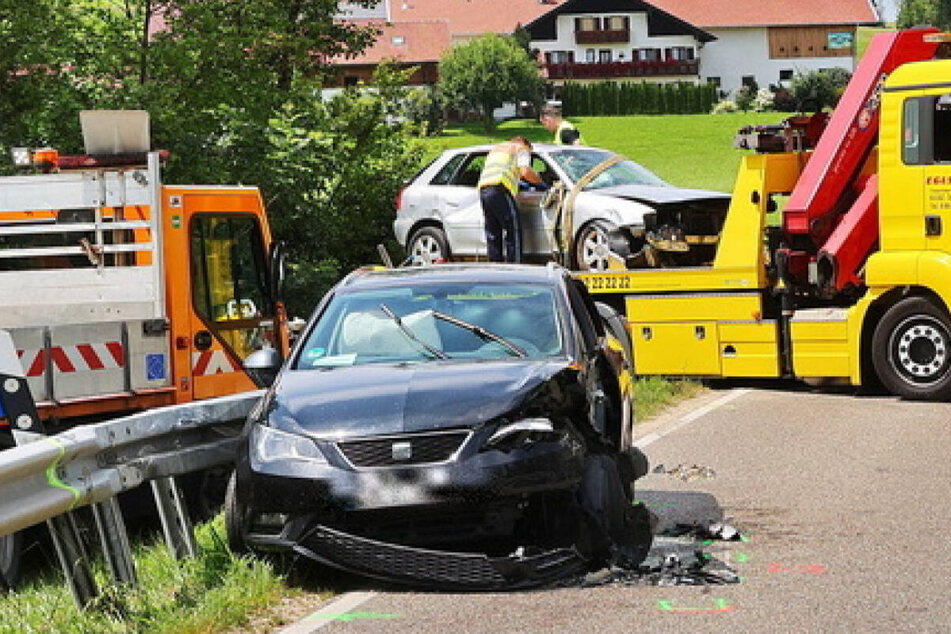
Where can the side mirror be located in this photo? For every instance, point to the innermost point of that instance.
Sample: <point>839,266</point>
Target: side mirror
<point>277,270</point>
<point>263,365</point>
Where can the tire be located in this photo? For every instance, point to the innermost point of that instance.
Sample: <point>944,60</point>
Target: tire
<point>236,517</point>
<point>911,350</point>
<point>428,245</point>
<point>11,551</point>
<point>592,246</point>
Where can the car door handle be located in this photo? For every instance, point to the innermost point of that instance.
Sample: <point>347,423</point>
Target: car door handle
<point>451,203</point>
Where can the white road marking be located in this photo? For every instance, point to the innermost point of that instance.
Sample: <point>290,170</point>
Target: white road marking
<point>325,615</point>
<point>688,418</point>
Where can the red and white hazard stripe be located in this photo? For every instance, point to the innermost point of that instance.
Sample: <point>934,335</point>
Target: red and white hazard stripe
<point>209,362</point>
<point>82,357</point>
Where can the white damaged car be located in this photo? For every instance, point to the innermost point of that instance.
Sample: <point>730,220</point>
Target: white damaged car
<point>625,209</point>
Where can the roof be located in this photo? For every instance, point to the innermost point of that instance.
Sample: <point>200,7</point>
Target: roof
<point>472,17</point>
<point>660,21</point>
<point>730,13</point>
<point>415,42</point>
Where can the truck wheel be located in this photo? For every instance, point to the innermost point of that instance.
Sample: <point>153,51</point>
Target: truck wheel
<point>428,245</point>
<point>236,517</point>
<point>911,350</point>
<point>11,550</point>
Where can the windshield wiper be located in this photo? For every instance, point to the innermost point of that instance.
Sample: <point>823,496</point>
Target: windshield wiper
<point>436,352</point>
<point>482,333</point>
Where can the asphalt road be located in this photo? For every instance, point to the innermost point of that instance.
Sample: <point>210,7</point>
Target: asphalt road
<point>846,502</point>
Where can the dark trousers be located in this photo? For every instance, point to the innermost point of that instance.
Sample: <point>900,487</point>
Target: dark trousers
<point>501,217</point>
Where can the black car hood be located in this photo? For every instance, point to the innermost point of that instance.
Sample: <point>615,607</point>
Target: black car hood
<point>659,195</point>
<point>392,399</point>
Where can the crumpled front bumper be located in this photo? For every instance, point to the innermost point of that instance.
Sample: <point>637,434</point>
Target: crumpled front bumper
<point>427,568</point>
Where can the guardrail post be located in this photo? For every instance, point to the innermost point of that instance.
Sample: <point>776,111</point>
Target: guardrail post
<point>176,525</point>
<point>114,540</point>
<point>73,559</point>
<point>18,407</point>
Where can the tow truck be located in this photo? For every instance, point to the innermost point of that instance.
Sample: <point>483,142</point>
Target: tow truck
<point>122,293</point>
<point>854,283</point>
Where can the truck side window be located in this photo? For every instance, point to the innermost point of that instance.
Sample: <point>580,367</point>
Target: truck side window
<point>911,135</point>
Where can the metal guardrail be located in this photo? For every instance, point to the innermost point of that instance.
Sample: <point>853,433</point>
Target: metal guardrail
<point>44,478</point>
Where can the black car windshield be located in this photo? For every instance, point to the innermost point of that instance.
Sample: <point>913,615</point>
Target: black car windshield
<point>577,163</point>
<point>424,323</point>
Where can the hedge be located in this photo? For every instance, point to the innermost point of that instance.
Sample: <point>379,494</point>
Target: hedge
<point>621,98</point>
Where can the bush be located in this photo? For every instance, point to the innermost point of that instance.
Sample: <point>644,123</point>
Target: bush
<point>725,106</point>
<point>819,89</point>
<point>744,97</point>
<point>425,108</point>
<point>763,102</point>
<point>783,101</point>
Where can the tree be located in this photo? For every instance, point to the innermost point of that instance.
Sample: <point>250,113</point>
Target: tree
<point>234,91</point>
<point>487,72</point>
<point>333,169</point>
<point>925,12</point>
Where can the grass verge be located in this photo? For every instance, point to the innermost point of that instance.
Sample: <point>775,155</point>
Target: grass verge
<point>652,394</point>
<point>214,592</point>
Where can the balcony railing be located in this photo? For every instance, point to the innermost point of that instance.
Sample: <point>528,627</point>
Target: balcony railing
<point>619,36</point>
<point>622,69</point>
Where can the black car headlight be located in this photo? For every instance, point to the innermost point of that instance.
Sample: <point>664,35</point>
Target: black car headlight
<point>521,432</point>
<point>269,444</point>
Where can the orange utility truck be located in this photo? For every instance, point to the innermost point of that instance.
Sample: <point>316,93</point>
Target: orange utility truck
<point>122,293</point>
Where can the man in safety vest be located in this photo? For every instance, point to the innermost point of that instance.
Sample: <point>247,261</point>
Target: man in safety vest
<point>565,132</point>
<point>505,164</point>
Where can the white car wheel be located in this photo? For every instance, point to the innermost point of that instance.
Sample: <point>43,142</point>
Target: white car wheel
<point>592,247</point>
<point>428,245</point>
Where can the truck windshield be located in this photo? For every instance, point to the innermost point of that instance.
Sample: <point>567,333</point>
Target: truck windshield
<point>510,320</point>
<point>577,163</point>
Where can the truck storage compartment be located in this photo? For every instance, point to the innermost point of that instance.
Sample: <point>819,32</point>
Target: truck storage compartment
<point>688,348</point>
<point>749,348</point>
<point>820,343</point>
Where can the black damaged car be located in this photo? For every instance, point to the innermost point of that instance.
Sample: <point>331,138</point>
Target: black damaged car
<point>465,426</point>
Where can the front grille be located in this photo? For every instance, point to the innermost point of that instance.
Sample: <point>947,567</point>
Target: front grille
<point>423,449</point>
<point>436,568</point>
<point>403,563</point>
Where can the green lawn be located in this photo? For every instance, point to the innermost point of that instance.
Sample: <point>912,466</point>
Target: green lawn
<point>686,150</point>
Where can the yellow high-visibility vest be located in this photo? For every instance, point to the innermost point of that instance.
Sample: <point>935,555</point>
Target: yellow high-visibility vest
<point>501,168</point>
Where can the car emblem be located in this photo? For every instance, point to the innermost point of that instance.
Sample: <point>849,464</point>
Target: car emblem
<point>402,451</point>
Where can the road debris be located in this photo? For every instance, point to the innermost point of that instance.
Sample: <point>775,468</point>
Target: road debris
<point>687,473</point>
<point>676,558</point>
<point>706,531</point>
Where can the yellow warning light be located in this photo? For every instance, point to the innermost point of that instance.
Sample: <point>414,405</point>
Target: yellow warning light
<point>937,38</point>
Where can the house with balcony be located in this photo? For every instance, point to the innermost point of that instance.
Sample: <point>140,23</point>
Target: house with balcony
<point>616,40</point>
<point>767,43</point>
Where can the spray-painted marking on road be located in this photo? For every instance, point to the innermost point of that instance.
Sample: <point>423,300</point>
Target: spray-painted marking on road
<point>685,420</point>
<point>353,616</point>
<point>718,606</point>
<point>777,568</point>
<point>334,611</point>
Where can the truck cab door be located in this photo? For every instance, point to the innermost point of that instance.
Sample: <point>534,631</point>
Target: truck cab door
<point>233,313</point>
